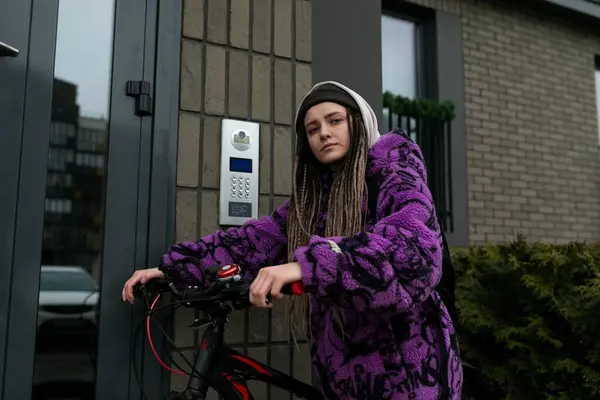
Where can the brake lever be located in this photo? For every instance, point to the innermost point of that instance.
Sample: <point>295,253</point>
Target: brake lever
<point>268,299</point>
<point>174,289</point>
<point>212,271</point>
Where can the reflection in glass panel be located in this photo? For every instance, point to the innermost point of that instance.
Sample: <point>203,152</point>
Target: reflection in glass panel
<point>66,342</point>
<point>399,61</point>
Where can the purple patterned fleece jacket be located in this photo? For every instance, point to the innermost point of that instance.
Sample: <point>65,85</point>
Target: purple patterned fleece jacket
<point>398,340</point>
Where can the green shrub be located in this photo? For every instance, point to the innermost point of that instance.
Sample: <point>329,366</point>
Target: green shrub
<point>529,320</point>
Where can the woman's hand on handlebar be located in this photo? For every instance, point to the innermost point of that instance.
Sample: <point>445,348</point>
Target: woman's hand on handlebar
<point>141,276</point>
<point>270,280</point>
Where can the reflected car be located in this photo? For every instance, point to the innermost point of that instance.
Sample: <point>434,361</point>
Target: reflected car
<point>68,301</point>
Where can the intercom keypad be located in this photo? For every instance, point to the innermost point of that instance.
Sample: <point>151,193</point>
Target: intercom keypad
<point>240,187</point>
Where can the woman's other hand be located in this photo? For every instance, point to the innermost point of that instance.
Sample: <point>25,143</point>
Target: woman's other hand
<point>271,280</point>
<point>142,276</point>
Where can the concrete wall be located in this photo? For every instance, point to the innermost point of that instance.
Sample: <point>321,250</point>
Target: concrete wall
<point>531,124</point>
<point>248,59</point>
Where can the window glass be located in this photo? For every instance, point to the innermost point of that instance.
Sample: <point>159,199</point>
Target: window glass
<point>399,60</point>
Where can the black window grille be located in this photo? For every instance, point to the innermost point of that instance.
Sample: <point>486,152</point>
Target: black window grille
<point>428,123</point>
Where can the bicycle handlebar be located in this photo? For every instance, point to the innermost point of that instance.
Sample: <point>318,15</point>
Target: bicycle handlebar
<point>222,290</point>
<point>228,285</point>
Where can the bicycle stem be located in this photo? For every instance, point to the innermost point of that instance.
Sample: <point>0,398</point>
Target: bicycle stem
<point>212,341</point>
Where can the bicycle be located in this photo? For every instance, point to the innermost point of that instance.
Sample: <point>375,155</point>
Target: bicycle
<point>217,366</point>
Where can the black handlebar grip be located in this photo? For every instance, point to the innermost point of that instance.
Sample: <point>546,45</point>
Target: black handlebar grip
<point>139,290</point>
<point>155,286</point>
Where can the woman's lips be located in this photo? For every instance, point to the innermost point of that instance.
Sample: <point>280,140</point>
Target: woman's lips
<point>327,146</point>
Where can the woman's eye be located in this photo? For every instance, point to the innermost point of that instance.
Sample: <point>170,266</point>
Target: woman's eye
<point>336,121</point>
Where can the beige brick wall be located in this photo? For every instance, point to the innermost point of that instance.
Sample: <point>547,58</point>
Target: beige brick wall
<point>532,131</point>
<point>249,60</point>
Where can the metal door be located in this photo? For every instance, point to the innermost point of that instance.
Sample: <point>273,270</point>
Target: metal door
<point>76,178</point>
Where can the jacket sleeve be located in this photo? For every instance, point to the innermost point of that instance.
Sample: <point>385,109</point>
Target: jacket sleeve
<point>394,265</point>
<point>258,243</point>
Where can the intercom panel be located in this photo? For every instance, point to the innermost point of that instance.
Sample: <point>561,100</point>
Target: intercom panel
<point>240,144</point>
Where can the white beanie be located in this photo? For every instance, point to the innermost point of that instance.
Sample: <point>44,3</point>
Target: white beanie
<point>368,115</point>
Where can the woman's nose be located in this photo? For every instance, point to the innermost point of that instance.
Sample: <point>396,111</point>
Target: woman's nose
<point>325,133</point>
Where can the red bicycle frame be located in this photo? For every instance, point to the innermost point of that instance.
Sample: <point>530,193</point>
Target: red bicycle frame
<point>226,371</point>
<point>216,365</point>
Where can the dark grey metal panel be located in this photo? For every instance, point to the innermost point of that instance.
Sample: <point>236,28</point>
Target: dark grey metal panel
<point>143,208</point>
<point>161,223</point>
<point>346,47</point>
<point>346,43</point>
<point>164,156</point>
<point>451,86</point>
<point>120,225</point>
<point>14,30</point>
<point>30,204</point>
<point>166,125</point>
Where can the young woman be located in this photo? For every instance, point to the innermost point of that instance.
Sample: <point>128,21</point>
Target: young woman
<point>378,328</point>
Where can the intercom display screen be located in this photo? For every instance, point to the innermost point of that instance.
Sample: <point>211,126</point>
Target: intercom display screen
<point>240,165</point>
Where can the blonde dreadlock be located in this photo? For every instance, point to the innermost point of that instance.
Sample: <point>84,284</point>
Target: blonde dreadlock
<point>344,206</point>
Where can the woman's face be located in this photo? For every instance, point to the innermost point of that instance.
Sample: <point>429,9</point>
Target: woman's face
<point>328,132</point>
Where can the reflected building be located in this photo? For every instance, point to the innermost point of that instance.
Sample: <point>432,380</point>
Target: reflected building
<point>74,185</point>
<point>66,342</point>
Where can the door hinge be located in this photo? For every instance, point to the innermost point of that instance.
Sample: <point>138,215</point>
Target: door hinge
<point>140,90</point>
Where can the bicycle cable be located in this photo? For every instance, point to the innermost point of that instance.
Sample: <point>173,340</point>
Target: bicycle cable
<point>145,322</point>
<point>139,335</point>
<point>166,337</point>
